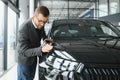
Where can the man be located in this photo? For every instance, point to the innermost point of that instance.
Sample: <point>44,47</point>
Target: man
<point>28,47</point>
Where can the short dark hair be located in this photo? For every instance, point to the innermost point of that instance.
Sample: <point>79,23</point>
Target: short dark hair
<point>43,10</point>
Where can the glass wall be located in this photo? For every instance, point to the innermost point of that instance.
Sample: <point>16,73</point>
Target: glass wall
<point>15,2</point>
<point>108,7</point>
<point>8,27</point>
<point>114,6</point>
<point>1,35</point>
<point>11,39</point>
<point>103,8</point>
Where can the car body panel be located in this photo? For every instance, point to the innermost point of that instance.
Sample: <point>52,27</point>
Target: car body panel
<point>93,43</point>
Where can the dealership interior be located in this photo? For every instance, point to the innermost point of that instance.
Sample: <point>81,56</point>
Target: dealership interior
<point>14,12</point>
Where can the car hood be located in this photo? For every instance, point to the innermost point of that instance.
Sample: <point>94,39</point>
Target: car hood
<point>90,52</point>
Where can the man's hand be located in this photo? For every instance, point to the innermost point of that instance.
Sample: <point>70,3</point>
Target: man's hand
<point>47,48</point>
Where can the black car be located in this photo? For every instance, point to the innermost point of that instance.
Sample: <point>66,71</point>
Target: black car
<point>84,50</point>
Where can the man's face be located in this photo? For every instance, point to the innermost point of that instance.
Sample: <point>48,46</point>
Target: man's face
<point>40,20</point>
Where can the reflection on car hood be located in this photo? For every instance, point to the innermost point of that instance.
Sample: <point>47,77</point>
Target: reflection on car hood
<point>88,51</point>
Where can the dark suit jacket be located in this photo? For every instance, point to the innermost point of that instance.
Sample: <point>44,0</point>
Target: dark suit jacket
<point>28,45</point>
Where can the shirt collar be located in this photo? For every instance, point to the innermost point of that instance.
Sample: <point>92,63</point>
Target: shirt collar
<point>34,24</point>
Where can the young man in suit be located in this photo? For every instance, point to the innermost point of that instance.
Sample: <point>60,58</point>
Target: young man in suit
<point>29,46</point>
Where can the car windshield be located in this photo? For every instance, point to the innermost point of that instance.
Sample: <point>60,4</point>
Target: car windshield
<point>84,29</point>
